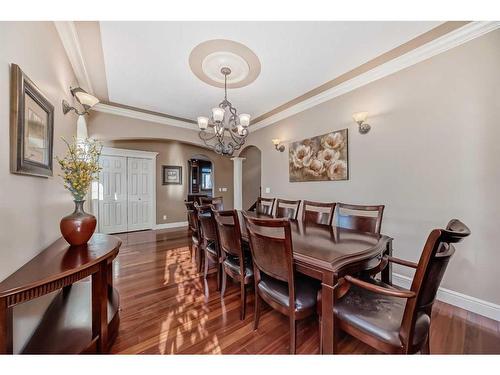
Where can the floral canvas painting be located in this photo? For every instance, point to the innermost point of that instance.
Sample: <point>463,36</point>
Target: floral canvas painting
<point>320,158</point>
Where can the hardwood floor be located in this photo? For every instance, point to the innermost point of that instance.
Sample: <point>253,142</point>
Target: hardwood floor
<point>163,310</point>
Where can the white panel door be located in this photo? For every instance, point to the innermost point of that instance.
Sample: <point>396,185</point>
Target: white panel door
<point>113,194</point>
<point>140,194</point>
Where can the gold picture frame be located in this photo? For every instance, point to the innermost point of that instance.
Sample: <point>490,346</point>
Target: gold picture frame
<point>31,127</point>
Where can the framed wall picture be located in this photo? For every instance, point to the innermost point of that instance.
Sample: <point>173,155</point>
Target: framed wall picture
<point>171,175</point>
<point>320,158</point>
<point>31,127</point>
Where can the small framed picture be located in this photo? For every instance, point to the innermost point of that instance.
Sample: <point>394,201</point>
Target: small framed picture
<point>171,175</point>
<point>31,127</point>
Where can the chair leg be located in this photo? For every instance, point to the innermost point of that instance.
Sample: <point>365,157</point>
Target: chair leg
<point>257,310</point>
<point>335,335</point>
<point>219,274</point>
<point>243,303</point>
<point>426,349</point>
<point>320,334</point>
<point>224,281</point>
<point>199,252</point>
<point>205,274</point>
<point>293,335</point>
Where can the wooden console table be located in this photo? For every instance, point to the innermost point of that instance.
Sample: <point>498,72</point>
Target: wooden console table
<point>83,317</point>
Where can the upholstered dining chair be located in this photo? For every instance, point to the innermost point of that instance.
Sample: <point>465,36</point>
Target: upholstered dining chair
<point>216,201</point>
<point>236,262</point>
<point>263,206</point>
<point>275,279</point>
<point>287,209</point>
<point>209,243</point>
<point>194,231</point>
<point>359,217</point>
<point>392,319</point>
<point>317,212</point>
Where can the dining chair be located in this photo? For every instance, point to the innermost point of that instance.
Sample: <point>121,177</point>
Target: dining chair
<point>263,206</point>
<point>358,217</point>
<point>209,243</point>
<point>216,201</point>
<point>317,212</point>
<point>287,209</point>
<point>392,319</point>
<point>236,262</point>
<point>194,229</point>
<point>275,279</point>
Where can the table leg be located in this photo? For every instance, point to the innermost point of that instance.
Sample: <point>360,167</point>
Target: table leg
<point>5,328</point>
<point>327,321</point>
<point>100,307</point>
<point>386,275</point>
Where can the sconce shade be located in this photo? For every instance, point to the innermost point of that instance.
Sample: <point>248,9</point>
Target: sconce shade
<point>244,119</point>
<point>84,98</point>
<point>203,122</point>
<point>276,141</point>
<point>360,117</point>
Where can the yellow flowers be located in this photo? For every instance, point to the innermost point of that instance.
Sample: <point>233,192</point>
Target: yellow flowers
<point>80,166</point>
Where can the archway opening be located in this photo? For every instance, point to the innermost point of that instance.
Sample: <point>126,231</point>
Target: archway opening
<point>201,177</point>
<point>251,175</point>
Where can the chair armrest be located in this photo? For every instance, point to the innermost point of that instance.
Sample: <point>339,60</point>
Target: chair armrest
<point>380,290</point>
<point>402,262</point>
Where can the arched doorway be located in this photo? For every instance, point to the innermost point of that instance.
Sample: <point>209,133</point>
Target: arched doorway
<point>251,179</point>
<point>201,177</point>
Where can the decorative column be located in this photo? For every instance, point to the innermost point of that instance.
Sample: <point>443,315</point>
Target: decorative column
<point>237,182</point>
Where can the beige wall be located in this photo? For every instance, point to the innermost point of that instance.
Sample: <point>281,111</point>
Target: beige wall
<point>251,175</point>
<point>433,154</point>
<point>170,198</point>
<point>32,207</point>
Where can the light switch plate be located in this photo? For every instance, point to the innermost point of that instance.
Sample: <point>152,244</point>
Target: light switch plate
<point>224,189</point>
<point>268,190</point>
<point>164,217</point>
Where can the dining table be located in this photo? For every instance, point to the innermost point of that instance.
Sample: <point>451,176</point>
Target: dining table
<point>328,253</point>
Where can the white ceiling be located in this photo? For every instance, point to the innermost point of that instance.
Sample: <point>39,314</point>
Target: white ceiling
<point>147,62</point>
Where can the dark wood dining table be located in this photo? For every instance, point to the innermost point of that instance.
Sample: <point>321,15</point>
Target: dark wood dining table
<point>327,253</point>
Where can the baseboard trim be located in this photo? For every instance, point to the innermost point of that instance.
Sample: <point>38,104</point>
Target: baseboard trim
<point>473,304</point>
<point>179,224</point>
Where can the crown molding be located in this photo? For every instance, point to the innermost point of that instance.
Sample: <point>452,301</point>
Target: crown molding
<point>69,38</point>
<point>139,115</point>
<point>451,40</point>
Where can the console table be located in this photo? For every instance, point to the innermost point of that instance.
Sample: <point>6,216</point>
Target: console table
<point>83,317</point>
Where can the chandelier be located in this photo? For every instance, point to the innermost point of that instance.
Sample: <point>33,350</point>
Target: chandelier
<point>225,131</point>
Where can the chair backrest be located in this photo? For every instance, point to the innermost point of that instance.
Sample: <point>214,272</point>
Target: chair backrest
<point>317,212</point>
<point>265,205</point>
<point>362,218</point>
<point>287,209</point>
<point>193,219</point>
<point>229,232</point>
<point>271,247</point>
<point>207,224</point>
<point>216,201</point>
<point>436,254</point>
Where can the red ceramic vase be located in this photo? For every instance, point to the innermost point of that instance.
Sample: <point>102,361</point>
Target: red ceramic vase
<point>78,227</point>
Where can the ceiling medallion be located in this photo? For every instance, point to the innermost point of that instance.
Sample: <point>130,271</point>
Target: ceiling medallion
<point>208,58</point>
<point>225,131</point>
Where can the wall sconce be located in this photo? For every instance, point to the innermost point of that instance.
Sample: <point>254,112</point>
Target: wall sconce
<point>84,98</point>
<point>277,146</point>
<point>360,119</point>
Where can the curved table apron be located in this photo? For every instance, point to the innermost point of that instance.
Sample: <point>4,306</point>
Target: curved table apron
<point>328,253</point>
<point>60,266</point>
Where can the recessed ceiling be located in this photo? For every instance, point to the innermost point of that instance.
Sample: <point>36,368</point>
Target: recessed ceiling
<point>147,63</point>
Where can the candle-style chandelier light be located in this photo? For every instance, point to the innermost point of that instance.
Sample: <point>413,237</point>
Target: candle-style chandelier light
<point>225,131</point>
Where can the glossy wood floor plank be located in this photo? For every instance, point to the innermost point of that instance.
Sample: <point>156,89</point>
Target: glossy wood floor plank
<point>164,311</point>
